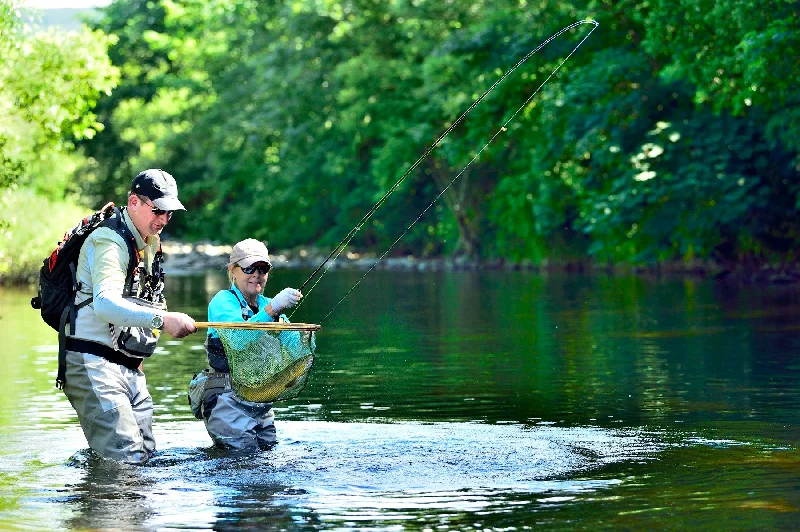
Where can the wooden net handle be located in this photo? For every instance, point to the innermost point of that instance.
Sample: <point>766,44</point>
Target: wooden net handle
<point>258,325</point>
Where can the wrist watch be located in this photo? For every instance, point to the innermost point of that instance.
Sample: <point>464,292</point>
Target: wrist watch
<point>157,321</point>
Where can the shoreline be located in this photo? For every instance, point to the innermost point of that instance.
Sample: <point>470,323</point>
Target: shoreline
<point>191,258</point>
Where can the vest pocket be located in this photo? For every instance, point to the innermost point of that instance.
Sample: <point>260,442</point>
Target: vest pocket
<point>136,341</point>
<point>204,389</point>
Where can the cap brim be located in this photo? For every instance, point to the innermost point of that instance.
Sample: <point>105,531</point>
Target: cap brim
<point>168,204</point>
<point>253,259</point>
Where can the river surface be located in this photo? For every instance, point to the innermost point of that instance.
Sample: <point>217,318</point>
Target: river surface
<point>447,401</point>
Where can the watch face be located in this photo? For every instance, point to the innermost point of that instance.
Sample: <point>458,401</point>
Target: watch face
<point>158,321</point>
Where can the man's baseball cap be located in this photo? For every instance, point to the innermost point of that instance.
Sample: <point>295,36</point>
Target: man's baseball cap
<point>159,187</point>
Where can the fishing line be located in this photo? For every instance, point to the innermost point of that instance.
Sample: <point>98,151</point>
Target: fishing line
<point>503,128</point>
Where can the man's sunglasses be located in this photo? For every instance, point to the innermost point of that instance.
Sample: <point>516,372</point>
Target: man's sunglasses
<point>156,211</point>
<point>262,269</point>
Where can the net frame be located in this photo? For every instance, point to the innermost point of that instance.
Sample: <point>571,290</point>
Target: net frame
<point>269,361</point>
<point>261,325</point>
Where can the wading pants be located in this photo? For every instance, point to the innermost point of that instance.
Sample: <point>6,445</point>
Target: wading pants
<point>240,424</point>
<point>113,405</point>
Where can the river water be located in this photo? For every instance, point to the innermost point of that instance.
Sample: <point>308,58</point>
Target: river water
<point>448,401</point>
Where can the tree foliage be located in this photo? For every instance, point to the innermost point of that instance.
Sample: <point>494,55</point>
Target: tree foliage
<point>49,85</point>
<point>671,133</point>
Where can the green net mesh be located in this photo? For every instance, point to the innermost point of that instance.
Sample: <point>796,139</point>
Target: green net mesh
<point>268,366</point>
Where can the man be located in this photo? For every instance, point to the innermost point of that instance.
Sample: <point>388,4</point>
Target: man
<point>120,313</point>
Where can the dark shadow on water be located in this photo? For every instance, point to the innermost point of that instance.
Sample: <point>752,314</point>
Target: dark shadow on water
<point>336,469</point>
<point>107,493</point>
<point>312,458</point>
<point>325,475</point>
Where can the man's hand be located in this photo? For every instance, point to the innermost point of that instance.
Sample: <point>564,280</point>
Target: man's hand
<point>178,324</point>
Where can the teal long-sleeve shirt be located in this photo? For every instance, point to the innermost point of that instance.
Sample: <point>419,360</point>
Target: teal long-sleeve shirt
<point>230,305</point>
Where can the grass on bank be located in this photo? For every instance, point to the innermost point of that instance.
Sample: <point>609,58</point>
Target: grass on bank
<point>32,227</point>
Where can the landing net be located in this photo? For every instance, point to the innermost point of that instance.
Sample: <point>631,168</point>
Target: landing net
<point>268,365</point>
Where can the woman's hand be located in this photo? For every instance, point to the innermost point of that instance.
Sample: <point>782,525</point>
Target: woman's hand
<point>285,299</point>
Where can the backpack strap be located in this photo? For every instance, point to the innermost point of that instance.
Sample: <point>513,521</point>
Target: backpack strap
<point>118,224</point>
<point>70,312</point>
<point>67,316</point>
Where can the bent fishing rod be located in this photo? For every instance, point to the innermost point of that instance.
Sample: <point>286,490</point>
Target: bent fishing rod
<point>503,128</point>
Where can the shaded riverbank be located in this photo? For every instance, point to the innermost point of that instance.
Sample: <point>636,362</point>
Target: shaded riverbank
<point>188,258</point>
<point>191,258</point>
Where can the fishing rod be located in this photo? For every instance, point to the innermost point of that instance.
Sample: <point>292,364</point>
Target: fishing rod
<point>503,128</point>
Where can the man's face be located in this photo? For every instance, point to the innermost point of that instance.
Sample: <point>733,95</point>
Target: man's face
<point>146,217</point>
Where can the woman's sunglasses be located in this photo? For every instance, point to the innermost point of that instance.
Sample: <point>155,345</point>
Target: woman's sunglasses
<point>262,269</point>
<point>156,211</point>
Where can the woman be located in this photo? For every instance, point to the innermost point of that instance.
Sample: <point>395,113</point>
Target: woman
<point>230,420</point>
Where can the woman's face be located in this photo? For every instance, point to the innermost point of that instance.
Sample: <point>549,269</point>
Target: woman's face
<point>251,284</point>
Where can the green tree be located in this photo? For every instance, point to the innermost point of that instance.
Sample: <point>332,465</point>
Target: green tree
<point>10,167</point>
<point>49,85</point>
<point>650,163</point>
<point>670,134</point>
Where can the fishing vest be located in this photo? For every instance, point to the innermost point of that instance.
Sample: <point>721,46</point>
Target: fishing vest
<point>129,344</point>
<point>147,290</point>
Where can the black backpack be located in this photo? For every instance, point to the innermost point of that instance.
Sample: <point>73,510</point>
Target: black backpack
<point>58,282</point>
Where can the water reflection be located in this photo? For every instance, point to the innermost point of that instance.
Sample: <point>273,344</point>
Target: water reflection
<point>462,400</point>
<point>332,475</point>
<point>106,494</point>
